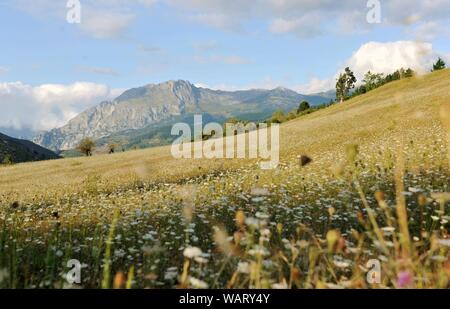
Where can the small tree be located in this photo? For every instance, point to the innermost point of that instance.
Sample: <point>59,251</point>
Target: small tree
<point>351,79</point>
<point>278,117</point>
<point>340,88</point>
<point>439,65</point>
<point>372,80</point>
<point>292,115</point>
<point>409,73</point>
<point>359,90</point>
<point>7,160</point>
<point>86,146</point>
<point>303,107</point>
<point>112,148</point>
<point>345,83</point>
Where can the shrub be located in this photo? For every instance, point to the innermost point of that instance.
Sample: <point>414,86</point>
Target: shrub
<point>439,65</point>
<point>278,117</point>
<point>7,160</point>
<point>303,107</point>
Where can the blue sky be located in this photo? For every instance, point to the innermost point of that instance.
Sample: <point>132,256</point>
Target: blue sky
<point>224,44</point>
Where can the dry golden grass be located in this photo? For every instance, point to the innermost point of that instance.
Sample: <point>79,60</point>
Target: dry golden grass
<point>377,187</point>
<point>398,109</point>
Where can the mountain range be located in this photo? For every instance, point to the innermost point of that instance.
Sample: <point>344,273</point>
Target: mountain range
<point>147,110</point>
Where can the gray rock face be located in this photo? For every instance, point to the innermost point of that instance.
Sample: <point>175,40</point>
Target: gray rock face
<point>139,107</point>
<point>134,109</point>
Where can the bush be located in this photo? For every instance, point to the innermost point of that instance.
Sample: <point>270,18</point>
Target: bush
<point>278,117</point>
<point>439,65</point>
<point>303,107</point>
<point>7,160</point>
<point>112,148</point>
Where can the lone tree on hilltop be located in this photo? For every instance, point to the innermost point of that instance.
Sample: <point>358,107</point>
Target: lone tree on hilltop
<point>345,83</point>
<point>439,65</point>
<point>86,146</point>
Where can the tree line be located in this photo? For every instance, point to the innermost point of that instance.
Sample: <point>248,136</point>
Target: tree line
<point>346,82</point>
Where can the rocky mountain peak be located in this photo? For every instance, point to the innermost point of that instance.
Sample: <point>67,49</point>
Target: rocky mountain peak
<point>151,104</point>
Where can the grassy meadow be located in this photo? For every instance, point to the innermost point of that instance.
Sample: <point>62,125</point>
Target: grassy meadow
<point>378,187</point>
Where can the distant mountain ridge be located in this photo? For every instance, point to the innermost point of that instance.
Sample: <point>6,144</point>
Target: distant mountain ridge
<point>19,150</point>
<point>149,105</point>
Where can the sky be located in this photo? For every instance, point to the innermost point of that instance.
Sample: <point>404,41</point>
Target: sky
<point>52,67</point>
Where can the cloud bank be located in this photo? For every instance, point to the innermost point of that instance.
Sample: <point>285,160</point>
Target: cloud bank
<point>310,18</point>
<point>302,18</point>
<point>384,58</point>
<point>380,57</point>
<point>48,106</point>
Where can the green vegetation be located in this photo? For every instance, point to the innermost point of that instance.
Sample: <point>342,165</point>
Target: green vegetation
<point>13,150</point>
<point>344,84</point>
<point>304,109</point>
<point>359,181</point>
<point>375,80</point>
<point>304,106</point>
<point>439,65</point>
<point>7,160</point>
<point>86,146</point>
<point>278,117</point>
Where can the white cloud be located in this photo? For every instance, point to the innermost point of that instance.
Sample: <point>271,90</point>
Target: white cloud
<point>411,19</point>
<point>309,18</point>
<point>381,58</point>
<point>102,19</point>
<point>48,106</point>
<point>3,70</point>
<point>316,85</point>
<point>372,56</point>
<point>429,30</point>
<point>426,31</point>
<point>303,18</point>
<point>305,26</point>
<point>390,56</point>
<point>103,25</point>
<point>216,20</point>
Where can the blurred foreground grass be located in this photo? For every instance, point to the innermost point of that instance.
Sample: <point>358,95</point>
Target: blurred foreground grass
<point>378,187</point>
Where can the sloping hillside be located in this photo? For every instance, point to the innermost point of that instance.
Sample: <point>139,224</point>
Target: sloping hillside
<point>376,188</point>
<point>408,109</point>
<point>18,150</point>
<point>138,108</point>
